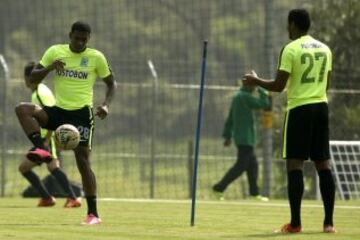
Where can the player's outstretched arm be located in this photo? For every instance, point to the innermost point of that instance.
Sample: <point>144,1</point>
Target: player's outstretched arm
<point>40,72</point>
<point>103,110</point>
<point>276,85</point>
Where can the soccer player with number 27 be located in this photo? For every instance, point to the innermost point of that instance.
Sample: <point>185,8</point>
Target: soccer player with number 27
<point>305,69</point>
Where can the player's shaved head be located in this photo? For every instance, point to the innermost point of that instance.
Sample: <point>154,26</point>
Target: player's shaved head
<point>301,18</point>
<point>81,27</point>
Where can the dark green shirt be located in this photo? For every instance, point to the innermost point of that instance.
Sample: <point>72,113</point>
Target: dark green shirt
<point>241,121</point>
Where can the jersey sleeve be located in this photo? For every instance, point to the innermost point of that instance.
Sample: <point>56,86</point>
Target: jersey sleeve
<point>227,131</point>
<point>257,102</point>
<point>48,57</point>
<point>102,66</point>
<point>286,59</point>
<point>45,95</point>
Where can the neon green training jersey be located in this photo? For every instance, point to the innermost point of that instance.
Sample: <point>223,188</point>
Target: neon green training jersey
<point>308,61</point>
<point>44,97</point>
<point>73,86</point>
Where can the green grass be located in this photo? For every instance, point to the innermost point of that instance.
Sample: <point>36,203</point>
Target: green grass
<point>164,220</point>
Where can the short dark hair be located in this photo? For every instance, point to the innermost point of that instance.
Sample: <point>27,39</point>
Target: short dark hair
<point>301,18</point>
<point>28,68</point>
<point>81,27</point>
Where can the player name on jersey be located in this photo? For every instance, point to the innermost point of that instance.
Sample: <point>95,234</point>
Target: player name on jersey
<point>72,74</point>
<point>311,45</point>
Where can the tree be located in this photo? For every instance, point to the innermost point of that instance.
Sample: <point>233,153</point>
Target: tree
<point>336,23</point>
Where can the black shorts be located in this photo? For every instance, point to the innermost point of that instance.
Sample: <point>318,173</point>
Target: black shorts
<point>82,119</point>
<point>306,133</point>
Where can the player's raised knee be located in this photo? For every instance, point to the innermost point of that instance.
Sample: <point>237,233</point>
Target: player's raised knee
<point>23,168</point>
<point>23,109</point>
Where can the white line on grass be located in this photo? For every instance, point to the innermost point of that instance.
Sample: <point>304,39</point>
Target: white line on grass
<point>245,203</point>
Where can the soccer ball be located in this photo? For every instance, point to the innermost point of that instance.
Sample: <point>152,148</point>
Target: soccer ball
<point>67,137</point>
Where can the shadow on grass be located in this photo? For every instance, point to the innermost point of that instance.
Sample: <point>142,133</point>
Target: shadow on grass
<point>284,235</point>
<point>36,224</point>
<point>17,206</point>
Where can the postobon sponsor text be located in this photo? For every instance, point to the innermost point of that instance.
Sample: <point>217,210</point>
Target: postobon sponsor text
<point>72,74</point>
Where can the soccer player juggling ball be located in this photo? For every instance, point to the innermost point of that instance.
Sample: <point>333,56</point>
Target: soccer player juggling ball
<point>76,68</point>
<point>305,69</point>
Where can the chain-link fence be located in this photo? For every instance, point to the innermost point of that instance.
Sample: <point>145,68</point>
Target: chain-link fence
<point>144,148</point>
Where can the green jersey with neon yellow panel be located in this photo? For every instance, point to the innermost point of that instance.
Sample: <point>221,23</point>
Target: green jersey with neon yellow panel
<point>73,86</point>
<point>308,61</point>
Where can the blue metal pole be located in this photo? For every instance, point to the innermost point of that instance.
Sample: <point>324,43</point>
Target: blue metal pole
<point>198,133</point>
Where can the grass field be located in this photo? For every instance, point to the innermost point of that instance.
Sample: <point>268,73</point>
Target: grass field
<point>164,220</point>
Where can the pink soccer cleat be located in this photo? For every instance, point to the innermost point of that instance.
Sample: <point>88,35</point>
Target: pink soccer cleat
<point>91,219</point>
<point>39,155</point>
